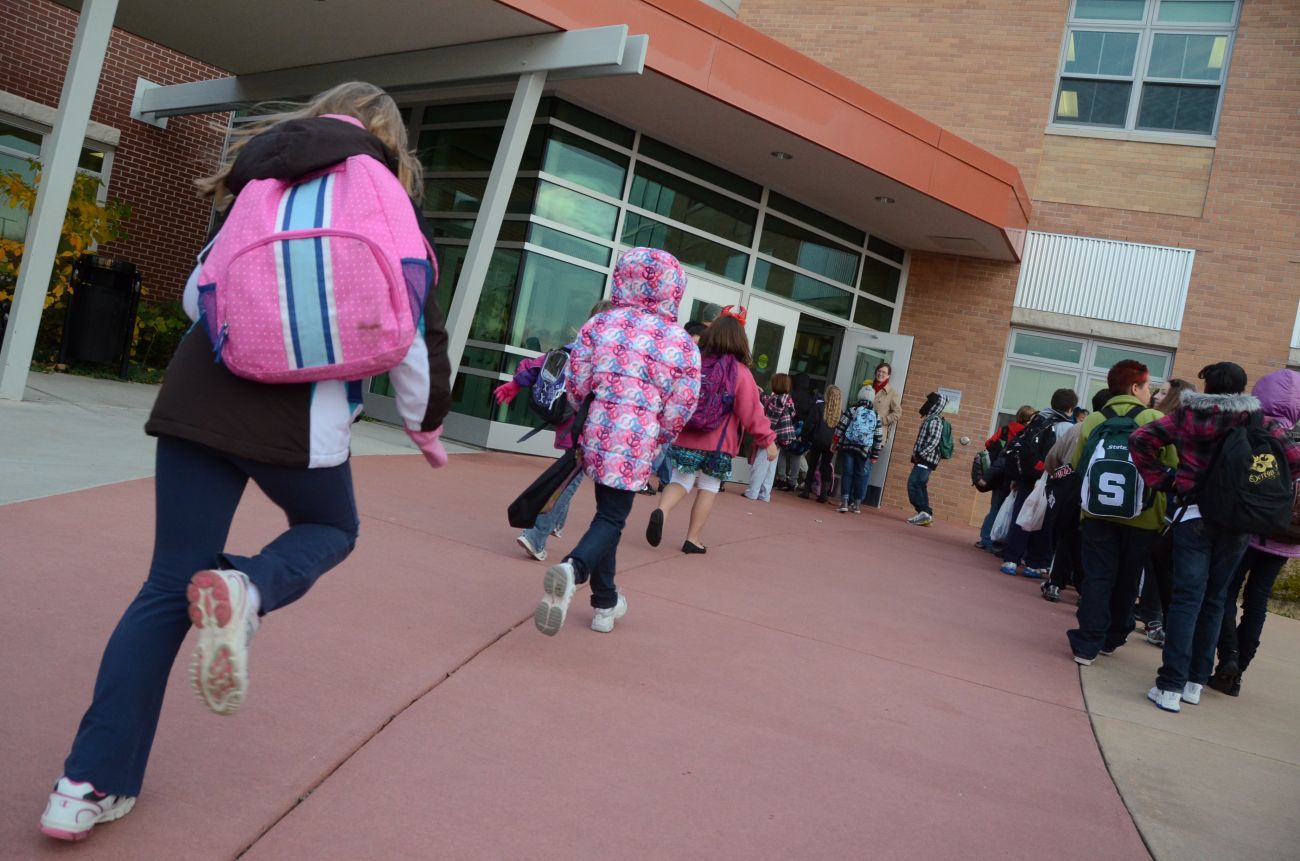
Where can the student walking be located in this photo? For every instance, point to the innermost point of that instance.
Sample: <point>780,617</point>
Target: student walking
<point>925,458</point>
<point>1118,529</point>
<point>819,432</point>
<point>858,438</point>
<point>641,372</point>
<point>1208,542</point>
<point>216,431</point>
<point>701,456</point>
<point>778,406</point>
<point>549,523</point>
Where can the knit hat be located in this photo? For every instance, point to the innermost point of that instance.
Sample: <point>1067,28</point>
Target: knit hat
<point>867,394</point>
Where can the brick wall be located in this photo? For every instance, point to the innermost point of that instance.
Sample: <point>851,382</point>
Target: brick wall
<point>153,169</point>
<point>963,66</point>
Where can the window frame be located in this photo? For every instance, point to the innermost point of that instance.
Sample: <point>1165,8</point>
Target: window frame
<point>1146,29</point>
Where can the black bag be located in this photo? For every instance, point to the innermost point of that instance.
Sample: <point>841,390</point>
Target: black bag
<point>1025,455</point>
<point>1248,488</point>
<point>979,467</point>
<point>542,493</point>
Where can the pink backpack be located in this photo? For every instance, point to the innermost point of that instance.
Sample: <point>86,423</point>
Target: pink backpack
<point>322,278</point>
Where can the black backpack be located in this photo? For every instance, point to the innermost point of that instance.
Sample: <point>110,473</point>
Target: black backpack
<point>1248,488</point>
<point>1025,455</point>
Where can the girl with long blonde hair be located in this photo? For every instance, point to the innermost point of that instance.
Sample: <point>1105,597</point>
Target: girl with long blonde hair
<point>820,432</point>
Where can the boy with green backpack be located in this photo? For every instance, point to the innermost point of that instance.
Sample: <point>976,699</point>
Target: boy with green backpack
<point>1121,518</point>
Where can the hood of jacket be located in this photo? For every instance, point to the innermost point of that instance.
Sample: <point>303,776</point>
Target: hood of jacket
<point>649,279</point>
<point>1279,396</point>
<point>300,147</point>
<point>937,407</point>
<point>1203,403</point>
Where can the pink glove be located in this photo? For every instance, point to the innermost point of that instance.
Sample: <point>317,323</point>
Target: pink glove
<point>430,443</point>
<point>505,393</point>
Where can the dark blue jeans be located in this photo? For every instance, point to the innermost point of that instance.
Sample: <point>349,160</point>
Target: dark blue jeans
<point>1205,559</point>
<point>595,554</point>
<point>918,491</point>
<point>1032,548</point>
<point>1257,572</point>
<point>997,496</point>
<point>1113,555</point>
<point>855,471</point>
<point>196,491</point>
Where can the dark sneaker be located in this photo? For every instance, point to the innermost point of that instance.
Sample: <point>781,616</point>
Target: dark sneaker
<point>1051,593</point>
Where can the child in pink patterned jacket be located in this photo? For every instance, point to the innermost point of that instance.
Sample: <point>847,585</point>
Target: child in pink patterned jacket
<point>641,372</point>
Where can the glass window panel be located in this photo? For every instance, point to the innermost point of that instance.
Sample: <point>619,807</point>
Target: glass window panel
<point>482,358</point>
<point>579,160</point>
<point>1110,10</point>
<point>91,160</point>
<point>807,250</point>
<point>554,298</point>
<point>471,395</point>
<point>880,279</point>
<point>1188,12</point>
<point>556,203</point>
<point>1178,108</point>
<point>1055,349</point>
<point>876,245</point>
<point>766,350</point>
<point>451,259</point>
<point>492,317</point>
<point>1100,53</point>
<point>451,228</point>
<point>382,385</point>
<point>13,219</point>
<point>1194,58</point>
<point>448,150</point>
<point>454,194</point>
<point>587,121</point>
<point>671,196</point>
<point>566,244</point>
<point>818,294</point>
<point>704,312</point>
<point>513,231</point>
<point>873,315</point>
<point>20,139</point>
<point>710,173</point>
<point>1106,357</point>
<point>808,215</point>
<point>688,248</point>
<point>1033,386</point>
<point>1099,103</point>
<point>469,112</point>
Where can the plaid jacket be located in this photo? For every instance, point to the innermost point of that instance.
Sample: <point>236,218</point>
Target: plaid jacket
<point>926,451</point>
<point>1196,428</point>
<point>780,412</point>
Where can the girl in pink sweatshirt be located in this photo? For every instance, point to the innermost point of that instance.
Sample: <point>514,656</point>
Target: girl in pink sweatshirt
<point>729,405</point>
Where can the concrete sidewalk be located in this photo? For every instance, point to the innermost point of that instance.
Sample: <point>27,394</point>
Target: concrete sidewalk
<point>817,685</point>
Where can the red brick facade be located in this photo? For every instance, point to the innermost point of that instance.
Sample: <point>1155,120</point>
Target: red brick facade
<point>988,72</point>
<point>153,169</point>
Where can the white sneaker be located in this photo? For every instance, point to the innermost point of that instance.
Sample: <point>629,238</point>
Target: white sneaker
<point>603,620</point>
<point>539,555</point>
<point>557,533</point>
<point>223,608</point>
<point>916,518</point>
<point>926,519</point>
<point>557,588</point>
<point>1192,693</point>
<point>75,808</point>
<point>1167,700</point>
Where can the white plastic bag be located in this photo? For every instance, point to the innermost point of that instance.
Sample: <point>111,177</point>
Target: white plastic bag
<point>1002,523</point>
<point>1035,507</point>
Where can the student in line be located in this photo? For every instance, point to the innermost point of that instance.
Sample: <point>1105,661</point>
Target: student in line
<point>819,433</point>
<point>858,439</point>
<point>925,458</point>
<point>216,431</point>
<point>778,406</point>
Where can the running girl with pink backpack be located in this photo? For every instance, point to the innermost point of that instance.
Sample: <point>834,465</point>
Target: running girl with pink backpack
<point>319,276</point>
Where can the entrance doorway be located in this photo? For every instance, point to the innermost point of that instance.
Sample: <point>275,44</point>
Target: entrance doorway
<point>861,354</point>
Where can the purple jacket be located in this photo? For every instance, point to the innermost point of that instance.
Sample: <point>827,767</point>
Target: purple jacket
<point>1279,399</point>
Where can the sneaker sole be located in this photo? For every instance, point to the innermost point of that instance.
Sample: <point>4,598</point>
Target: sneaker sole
<point>53,829</point>
<point>654,531</point>
<point>554,606</point>
<point>539,555</point>
<point>1083,662</point>
<point>219,668</point>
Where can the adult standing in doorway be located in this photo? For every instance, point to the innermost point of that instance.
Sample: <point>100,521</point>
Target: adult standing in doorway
<point>888,402</point>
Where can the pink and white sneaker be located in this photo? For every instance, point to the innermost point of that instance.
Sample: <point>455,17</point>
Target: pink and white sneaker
<point>223,606</point>
<point>75,808</point>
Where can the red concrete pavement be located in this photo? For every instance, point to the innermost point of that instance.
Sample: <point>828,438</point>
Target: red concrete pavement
<point>817,685</point>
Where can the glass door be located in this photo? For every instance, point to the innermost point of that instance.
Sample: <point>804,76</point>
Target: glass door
<point>862,353</point>
<point>704,299</point>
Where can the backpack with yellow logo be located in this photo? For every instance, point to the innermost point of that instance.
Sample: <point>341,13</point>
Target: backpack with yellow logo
<point>1248,487</point>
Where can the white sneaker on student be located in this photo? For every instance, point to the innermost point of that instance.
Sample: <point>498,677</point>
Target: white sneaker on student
<point>1166,700</point>
<point>223,606</point>
<point>75,808</point>
<point>522,541</point>
<point>603,620</point>
<point>1192,693</point>
<point>916,518</point>
<point>557,592</point>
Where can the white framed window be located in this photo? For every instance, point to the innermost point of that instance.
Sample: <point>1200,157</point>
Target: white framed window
<point>1039,363</point>
<point>1145,66</point>
<point>22,143</point>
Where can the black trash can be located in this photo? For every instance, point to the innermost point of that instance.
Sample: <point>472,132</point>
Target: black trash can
<point>101,314</point>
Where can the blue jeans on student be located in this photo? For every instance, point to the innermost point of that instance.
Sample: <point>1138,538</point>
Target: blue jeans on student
<point>1205,558</point>
<point>855,471</point>
<point>997,495</point>
<point>1113,555</point>
<point>196,491</point>
<point>595,554</point>
<point>661,468</point>
<point>1032,548</point>
<point>918,492</point>
<point>555,518</point>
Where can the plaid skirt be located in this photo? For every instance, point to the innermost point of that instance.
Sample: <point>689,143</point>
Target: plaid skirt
<point>712,463</point>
